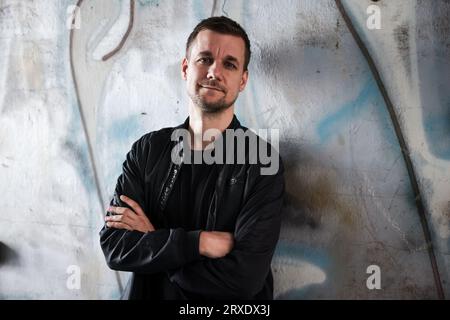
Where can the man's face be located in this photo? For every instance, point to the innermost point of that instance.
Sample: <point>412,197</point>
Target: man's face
<point>214,70</point>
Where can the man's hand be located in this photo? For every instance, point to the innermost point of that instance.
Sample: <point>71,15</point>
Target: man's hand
<point>215,244</point>
<point>126,218</point>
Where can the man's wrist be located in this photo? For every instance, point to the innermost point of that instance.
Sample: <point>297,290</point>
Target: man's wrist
<point>201,243</point>
<point>193,244</point>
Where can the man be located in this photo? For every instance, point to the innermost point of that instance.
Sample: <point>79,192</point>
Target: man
<point>197,230</point>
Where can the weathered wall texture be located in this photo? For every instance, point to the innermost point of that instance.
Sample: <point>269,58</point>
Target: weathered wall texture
<point>349,201</point>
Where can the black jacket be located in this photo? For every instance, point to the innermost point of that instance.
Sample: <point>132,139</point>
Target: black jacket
<point>245,203</point>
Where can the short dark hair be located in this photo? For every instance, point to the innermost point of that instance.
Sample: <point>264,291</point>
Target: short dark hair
<point>222,25</point>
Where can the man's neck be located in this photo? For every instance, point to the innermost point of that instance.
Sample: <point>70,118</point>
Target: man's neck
<point>200,121</point>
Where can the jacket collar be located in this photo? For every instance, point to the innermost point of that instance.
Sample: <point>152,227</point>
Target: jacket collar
<point>234,124</point>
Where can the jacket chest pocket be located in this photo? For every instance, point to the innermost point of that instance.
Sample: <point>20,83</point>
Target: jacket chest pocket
<point>230,204</point>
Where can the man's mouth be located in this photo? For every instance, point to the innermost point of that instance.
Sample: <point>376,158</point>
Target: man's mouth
<point>212,88</point>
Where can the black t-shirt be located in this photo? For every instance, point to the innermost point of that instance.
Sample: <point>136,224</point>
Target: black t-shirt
<point>187,206</point>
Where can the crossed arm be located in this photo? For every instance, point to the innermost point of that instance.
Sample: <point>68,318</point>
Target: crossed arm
<point>212,244</point>
<point>209,263</point>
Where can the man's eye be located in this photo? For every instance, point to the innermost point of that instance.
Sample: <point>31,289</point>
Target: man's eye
<point>204,60</point>
<point>230,65</point>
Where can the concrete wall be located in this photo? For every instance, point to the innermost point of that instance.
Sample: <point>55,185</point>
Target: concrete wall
<point>349,200</point>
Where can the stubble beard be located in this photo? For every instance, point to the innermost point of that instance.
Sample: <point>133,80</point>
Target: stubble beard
<point>211,107</point>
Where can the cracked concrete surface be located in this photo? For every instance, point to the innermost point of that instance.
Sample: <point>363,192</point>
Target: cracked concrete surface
<point>349,202</point>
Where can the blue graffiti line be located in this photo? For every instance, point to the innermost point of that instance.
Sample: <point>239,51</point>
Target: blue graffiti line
<point>301,252</point>
<point>437,128</point>
<point>124,129</point>
<point>122,133</point>
<point>289,253</point>
<point>75,143</point>
<point>328,126</point>
<point>199,10</point>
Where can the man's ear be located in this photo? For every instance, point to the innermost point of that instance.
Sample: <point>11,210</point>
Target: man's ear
<point>243,81</point>
<point>184,66</point>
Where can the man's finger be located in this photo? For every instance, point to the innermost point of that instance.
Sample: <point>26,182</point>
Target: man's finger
<point>117,210</point>
<point>133,204</point>
<point>125,218</point>
<point>119,225</point>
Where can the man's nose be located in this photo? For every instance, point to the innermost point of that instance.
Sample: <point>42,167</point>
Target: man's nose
<point>215,71</point>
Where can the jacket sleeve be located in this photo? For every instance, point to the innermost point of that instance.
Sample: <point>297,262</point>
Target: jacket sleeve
<point>149,252</point>
<point>241,274</point>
